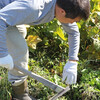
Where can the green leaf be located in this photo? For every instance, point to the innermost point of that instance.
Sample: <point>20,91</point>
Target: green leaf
<point>32,41</point>
<point>60,32</point>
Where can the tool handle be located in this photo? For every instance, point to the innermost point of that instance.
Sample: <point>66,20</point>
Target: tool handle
<point>31,74</point>
<point>46,82</point>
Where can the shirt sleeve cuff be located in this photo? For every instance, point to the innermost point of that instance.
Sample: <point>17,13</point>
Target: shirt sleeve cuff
<point>74,58</point>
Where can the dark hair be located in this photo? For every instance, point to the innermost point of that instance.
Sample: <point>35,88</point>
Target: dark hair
<point>75,8</point>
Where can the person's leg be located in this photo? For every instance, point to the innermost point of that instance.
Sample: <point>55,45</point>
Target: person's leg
<point>18,49</point>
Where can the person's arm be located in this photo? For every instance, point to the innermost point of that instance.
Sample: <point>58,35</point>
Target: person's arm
<point>73,40</point>
<point>70,69</point>
<point>15,13</point>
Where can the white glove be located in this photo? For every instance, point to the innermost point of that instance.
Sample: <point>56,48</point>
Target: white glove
<point>7,62</point>
<point>70,72</point>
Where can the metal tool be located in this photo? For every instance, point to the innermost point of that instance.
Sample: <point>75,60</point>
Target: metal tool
<point>59,89</point>
<point>60,93</point>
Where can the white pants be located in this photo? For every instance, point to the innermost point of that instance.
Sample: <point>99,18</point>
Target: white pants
<point>18,49</point>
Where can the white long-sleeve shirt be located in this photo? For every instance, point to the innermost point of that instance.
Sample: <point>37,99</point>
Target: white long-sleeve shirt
<point>34,12</point>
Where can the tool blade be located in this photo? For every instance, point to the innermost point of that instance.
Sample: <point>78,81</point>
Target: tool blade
<point>60,93</point>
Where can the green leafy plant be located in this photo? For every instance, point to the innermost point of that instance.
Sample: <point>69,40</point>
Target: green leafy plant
<point>5,86</point>
<point>90,33</point>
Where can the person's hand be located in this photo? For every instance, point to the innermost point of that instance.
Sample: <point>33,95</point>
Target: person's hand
<point>7,62</point>
<point>70,72</point>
